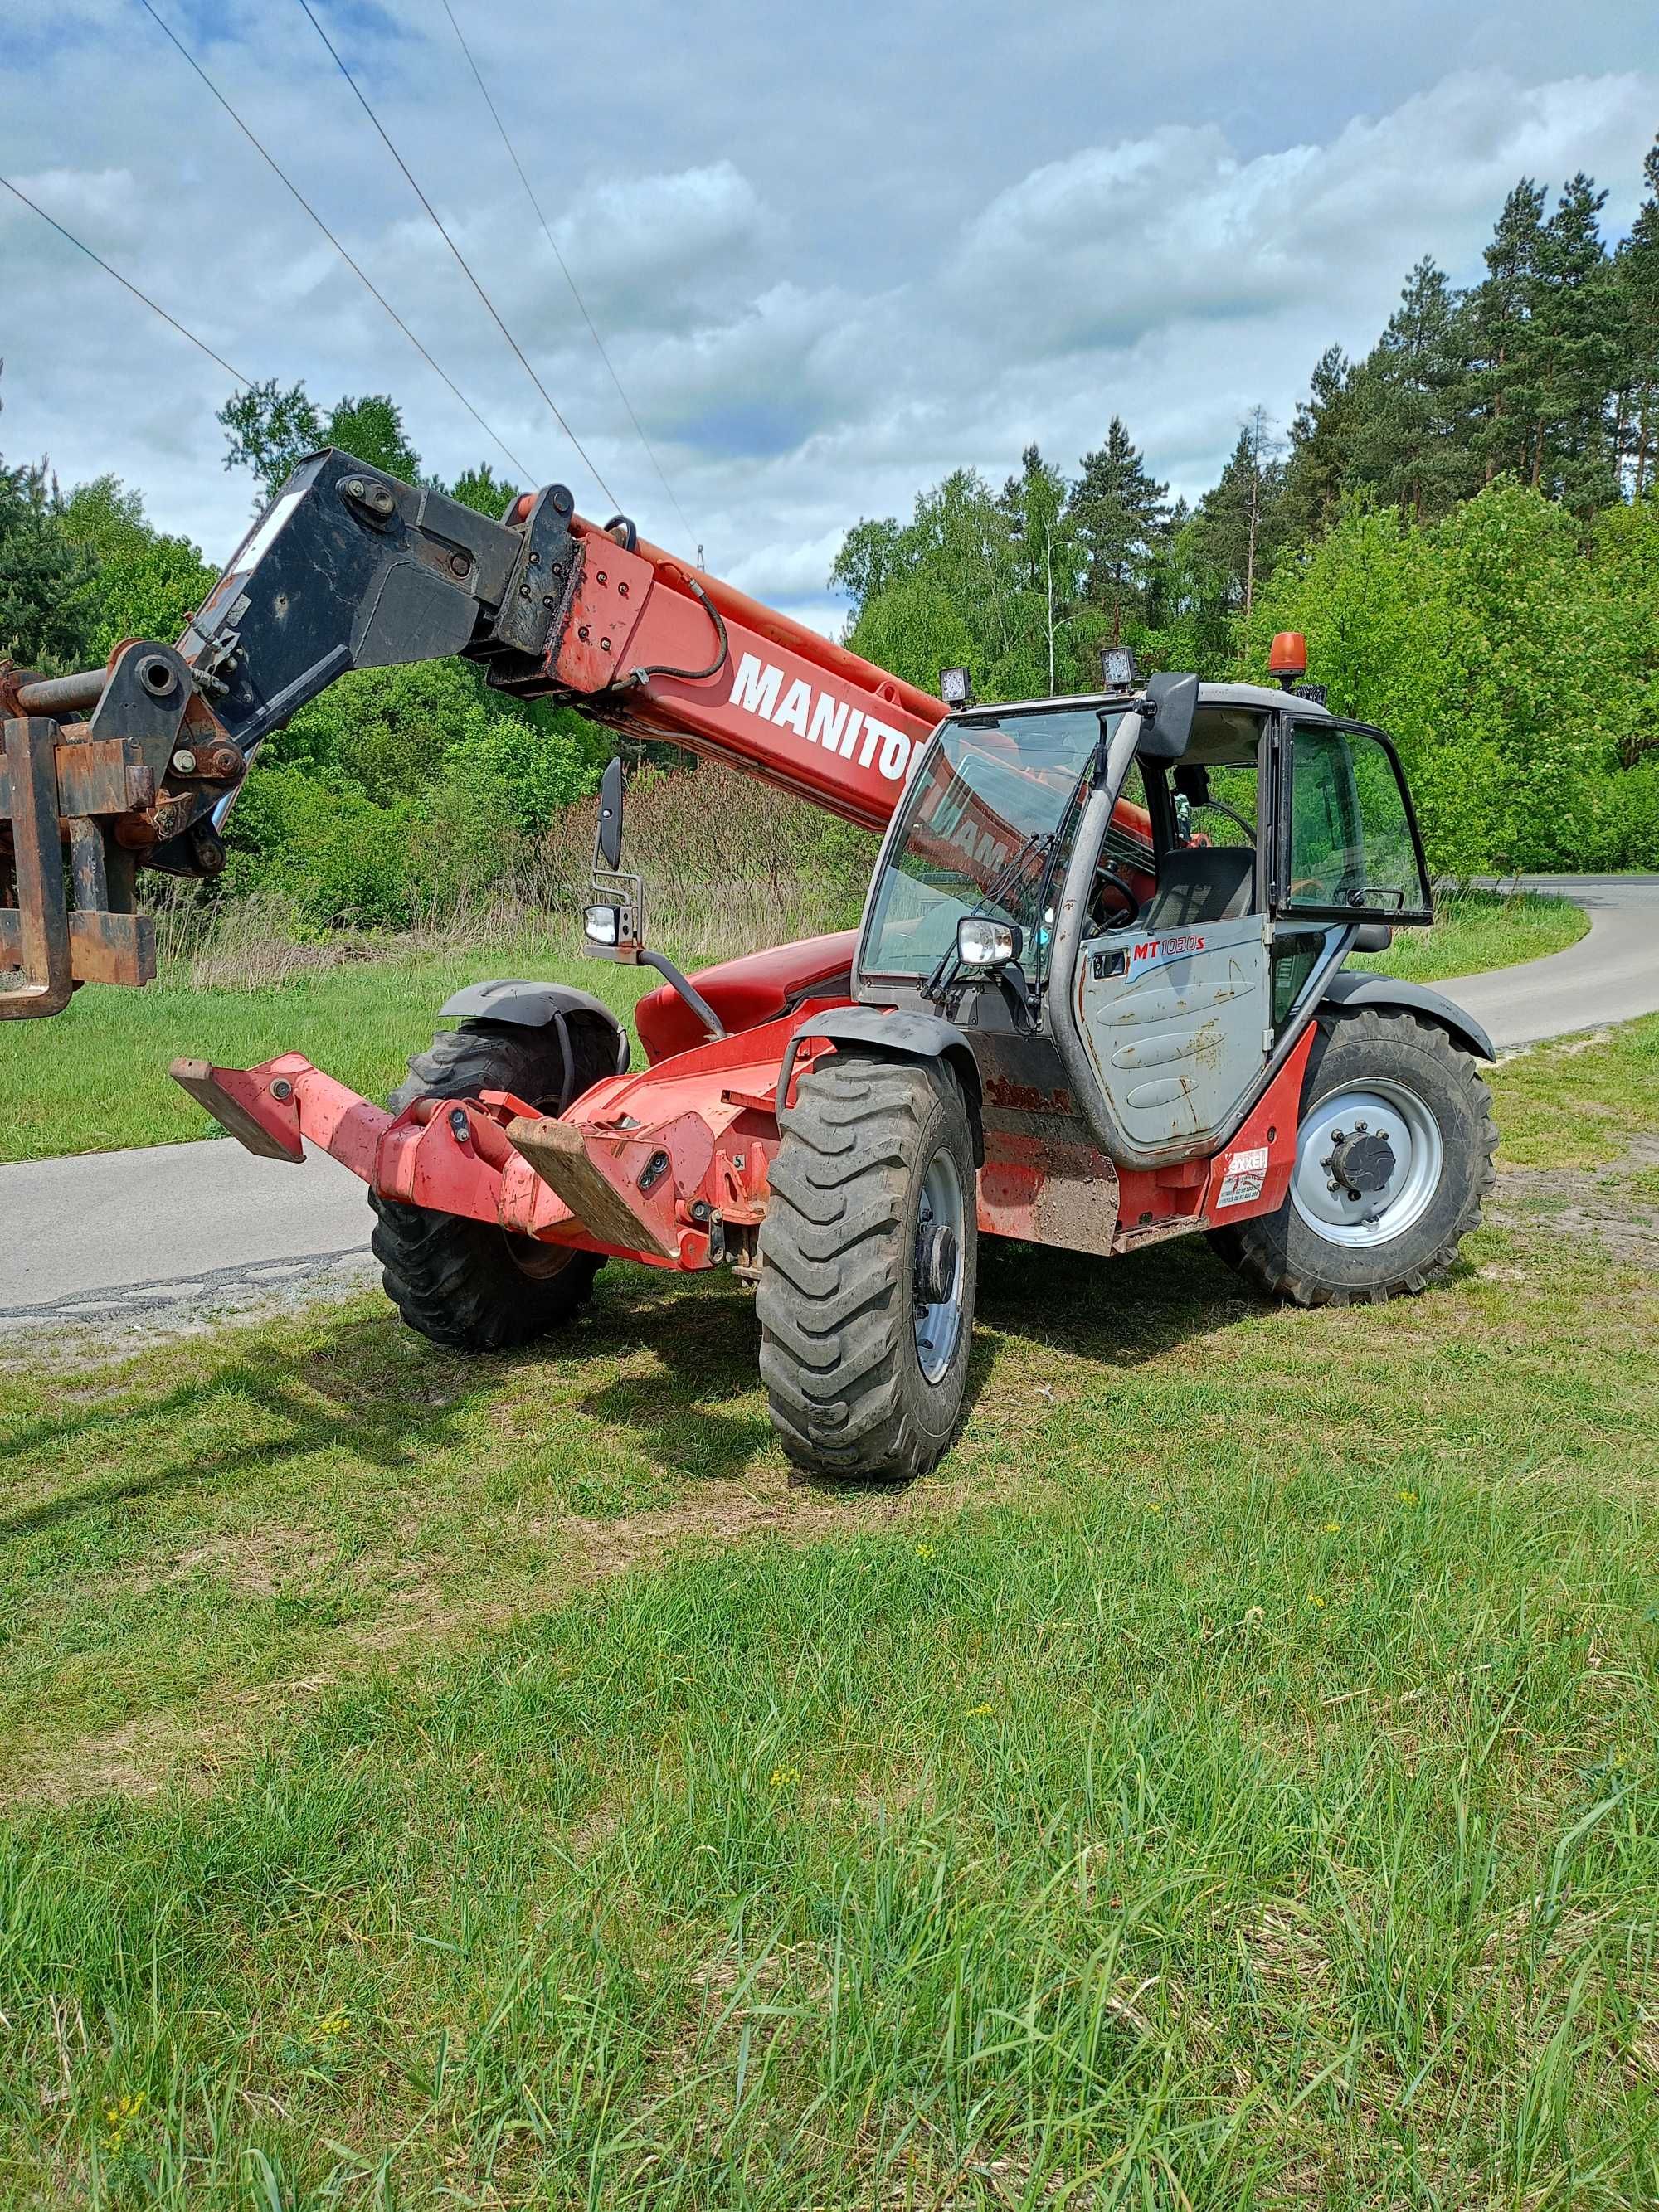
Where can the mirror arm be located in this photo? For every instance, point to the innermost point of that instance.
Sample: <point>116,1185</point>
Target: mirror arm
<point>688,991</point>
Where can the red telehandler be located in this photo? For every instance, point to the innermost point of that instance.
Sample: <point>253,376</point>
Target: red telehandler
<point>1097,996</point>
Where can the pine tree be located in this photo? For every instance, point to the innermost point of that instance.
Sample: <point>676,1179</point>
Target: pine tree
<point>1240,525</point>
<point>1504,402</point>
<point>1637,271</point>
<point>1575,337</point>
<point>1410,444</point>
<point>1321,444</point>
<point>1121,514</point>
<point>1049,551</point>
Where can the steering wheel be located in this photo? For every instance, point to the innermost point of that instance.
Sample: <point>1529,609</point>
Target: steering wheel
<point>1231,813</point>
<point>1108,879</point>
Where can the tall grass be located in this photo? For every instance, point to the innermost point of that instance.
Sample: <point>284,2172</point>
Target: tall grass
<point>730,864</point>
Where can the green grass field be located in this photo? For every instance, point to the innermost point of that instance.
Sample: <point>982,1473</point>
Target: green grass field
<point>1231,1781</point>
<point>96,1079</point>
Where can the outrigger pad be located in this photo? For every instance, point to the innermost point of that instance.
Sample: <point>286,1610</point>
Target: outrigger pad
<point>558,1152</point>
<point>243,1105</point>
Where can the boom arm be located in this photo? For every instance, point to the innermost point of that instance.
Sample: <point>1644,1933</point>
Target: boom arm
<point>348,568</point>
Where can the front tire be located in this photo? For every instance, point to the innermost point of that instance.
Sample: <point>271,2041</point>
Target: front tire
<point>869,1267</point>
<point>467,1285</point>
<point>1395,1154</point>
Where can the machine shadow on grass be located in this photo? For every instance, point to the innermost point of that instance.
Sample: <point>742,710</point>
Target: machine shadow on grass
<point>695,1409</point>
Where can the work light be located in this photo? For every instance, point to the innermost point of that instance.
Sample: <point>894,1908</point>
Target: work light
<point>982,943</point>
<point>954,687</point>
<point>602,924</point>
<point>1117,665</point>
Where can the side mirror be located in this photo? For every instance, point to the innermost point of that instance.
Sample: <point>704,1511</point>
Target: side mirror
<point>1171,703</point>
<point>1373,937</point>
<point>607,845</point>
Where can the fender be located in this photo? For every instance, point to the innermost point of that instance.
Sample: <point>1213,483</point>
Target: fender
<point>1350,987</point>
<point>897,1037</point>
<point>529,1006</point>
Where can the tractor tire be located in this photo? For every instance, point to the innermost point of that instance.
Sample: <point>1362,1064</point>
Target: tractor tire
<point>467,1285</point>
<point>869,1265</point>
<point>1375,1076</point>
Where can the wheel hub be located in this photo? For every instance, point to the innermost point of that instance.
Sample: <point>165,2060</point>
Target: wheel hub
<point>936,1266</point>
<point>935,1262</point>
<point>1362,1162</point>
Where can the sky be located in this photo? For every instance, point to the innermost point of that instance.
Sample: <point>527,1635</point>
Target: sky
<point>832,253</point>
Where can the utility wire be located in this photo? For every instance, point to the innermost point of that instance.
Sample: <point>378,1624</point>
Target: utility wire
<point>465,265</point>
<point>564,267</point>
<point>269,160</point>
<point>201,344</point>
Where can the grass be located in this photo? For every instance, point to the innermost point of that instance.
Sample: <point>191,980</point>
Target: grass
<point>1476,930</point>
<point>1231,1781</point>
<point>96,1078</point>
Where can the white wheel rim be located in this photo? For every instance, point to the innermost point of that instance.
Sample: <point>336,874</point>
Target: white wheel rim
<point>938,1326</point>
<point>1378,1109</point>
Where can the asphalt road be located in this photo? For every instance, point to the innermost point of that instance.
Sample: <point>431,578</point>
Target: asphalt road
<point>127,1234</point>
<point>1609,975</point>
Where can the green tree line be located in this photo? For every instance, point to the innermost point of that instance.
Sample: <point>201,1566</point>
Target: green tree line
<point>1465,522</point>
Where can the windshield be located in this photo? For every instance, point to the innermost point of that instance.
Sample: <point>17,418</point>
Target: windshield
<point>992,808</point>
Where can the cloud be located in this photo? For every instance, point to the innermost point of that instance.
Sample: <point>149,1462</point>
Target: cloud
<point>822,283</point>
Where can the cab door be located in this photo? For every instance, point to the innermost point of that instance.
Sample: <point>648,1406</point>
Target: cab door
<point>1346,845</point>
<point>1175,1009</point>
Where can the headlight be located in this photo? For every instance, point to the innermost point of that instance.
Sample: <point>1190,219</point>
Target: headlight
<point>984,944</point>
<point>602,924</point>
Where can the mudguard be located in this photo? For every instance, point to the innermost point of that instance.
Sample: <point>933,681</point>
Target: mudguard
<point>1350,987</point>
<point>904,1037</point>
<point>533,1007</point>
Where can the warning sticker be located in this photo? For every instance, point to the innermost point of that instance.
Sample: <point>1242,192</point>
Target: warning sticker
<point>1246,1173</point>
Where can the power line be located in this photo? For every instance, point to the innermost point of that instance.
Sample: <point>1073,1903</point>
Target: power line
<point>465,265</point>
<point>270,161</point>
<point>548,234</point>
<point>201,344</point>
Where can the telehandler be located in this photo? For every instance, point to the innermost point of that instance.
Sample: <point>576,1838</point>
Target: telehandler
<point>1097,996</point>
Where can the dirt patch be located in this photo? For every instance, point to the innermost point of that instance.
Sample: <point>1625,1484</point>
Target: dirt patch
<point>255,1562</point>
<point>139,1759</point>
<point>1609,1205</point>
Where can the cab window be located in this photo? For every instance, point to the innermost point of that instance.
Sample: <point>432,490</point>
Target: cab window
<point>1352,845</point>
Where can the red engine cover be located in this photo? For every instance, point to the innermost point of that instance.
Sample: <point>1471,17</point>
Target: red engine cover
<point>758,988</point>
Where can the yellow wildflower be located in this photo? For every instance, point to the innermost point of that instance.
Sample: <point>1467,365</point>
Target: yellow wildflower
<point>785,1778</point>
<point>1315,1600</point>
<point>1333,1528</point>
<point>1407,1497</point>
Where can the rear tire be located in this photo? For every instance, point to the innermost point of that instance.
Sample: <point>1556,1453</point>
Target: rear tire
<point>467,1285</point>
<point>873,1209</point>
<point>1392,1077</point>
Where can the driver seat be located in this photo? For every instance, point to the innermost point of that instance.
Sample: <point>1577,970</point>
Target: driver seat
<point>1200,883</point>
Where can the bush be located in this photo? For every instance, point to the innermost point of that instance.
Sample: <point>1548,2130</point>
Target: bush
<point>336,857</point>
<point>1513,659</point>
<point>1624,831</point>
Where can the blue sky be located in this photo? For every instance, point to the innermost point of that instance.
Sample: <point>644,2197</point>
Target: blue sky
<point>833,253</point>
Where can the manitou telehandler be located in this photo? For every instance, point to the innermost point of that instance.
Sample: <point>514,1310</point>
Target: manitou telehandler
<point>1097,996</point>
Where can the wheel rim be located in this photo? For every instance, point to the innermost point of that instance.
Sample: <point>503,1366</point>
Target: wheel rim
<point>536,1261</point>
<point>1367,1111</point>
<point>939,1321</point>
